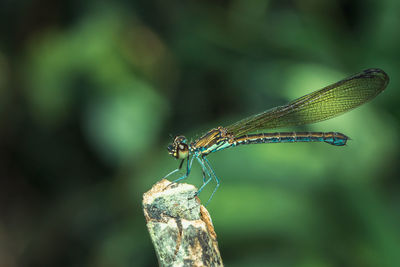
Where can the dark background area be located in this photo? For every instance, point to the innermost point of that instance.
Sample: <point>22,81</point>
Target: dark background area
<point>92,92</point>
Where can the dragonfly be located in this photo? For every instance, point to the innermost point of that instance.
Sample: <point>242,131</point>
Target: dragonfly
<point>323,104</point>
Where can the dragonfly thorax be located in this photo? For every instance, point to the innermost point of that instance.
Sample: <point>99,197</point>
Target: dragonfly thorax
<point>179,147</point>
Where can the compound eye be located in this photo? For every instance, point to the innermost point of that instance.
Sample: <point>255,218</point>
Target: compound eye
<point>183,151</point>
<point>180,139</point>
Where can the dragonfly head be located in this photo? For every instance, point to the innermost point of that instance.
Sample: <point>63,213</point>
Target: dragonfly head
<point>179,148</point>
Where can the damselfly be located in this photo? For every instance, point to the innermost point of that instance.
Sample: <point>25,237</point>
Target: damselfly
<point>317,106</point>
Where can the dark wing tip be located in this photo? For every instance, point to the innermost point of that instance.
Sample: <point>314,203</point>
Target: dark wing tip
<point>377,73</point>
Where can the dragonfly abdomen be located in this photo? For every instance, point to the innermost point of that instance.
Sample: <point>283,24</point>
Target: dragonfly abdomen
<point>332,138</point>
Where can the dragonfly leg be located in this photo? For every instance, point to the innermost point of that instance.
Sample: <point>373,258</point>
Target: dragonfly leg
<point>205,173</point>
<point>176,170</point>
<point>188,169</point>
<point>205,165</point>
<point>215,177</point>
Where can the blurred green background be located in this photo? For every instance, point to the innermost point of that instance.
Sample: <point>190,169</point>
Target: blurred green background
<point>92,92</point>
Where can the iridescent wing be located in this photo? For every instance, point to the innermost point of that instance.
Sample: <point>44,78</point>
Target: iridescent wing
<point>320,105</point>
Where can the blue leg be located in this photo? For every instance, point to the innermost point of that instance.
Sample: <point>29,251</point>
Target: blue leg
<point>206,167</point>
<point>188,169</point>
<point>215,177</point>
<point>204,175</point>
<point>174,171</point>
<point>205,171</point>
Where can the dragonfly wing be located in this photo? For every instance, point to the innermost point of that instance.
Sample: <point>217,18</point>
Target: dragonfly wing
<point>320,105</point>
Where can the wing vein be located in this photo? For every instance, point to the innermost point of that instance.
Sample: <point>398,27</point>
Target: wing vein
<point>320,105</point>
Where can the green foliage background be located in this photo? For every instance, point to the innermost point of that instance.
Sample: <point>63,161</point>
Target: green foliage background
<point>91,93</point>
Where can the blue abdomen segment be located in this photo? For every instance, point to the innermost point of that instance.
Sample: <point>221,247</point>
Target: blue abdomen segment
<point>333,138</point>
